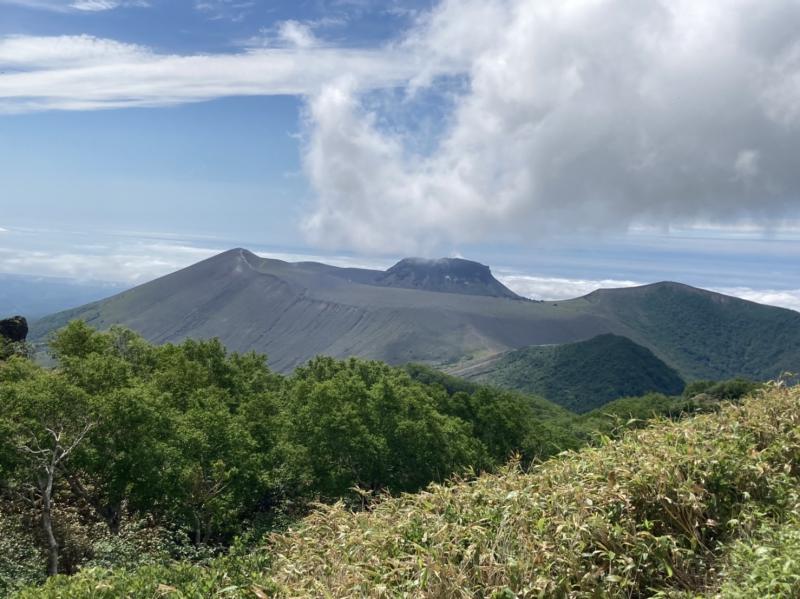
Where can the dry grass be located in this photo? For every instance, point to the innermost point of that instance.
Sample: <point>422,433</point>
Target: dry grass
<point>621,520</point>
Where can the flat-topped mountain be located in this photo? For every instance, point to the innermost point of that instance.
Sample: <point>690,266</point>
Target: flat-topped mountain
<point>294,311</point>
<point>448,275</point>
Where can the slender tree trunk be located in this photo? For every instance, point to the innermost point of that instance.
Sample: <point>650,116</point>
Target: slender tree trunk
<point>47,525</point>
<point>198,530</point>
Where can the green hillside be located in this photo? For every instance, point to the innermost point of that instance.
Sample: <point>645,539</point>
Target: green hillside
<point>705,335</point>
<point>698,508</point>
<point>585,375</point>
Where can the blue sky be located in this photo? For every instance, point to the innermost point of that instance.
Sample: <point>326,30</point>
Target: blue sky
<point>568,144</point>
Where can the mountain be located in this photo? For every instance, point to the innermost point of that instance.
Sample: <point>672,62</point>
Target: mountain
<point>704,335</point>
<point>37,296</point>
<point>448,275</point>
<point>581,376</point>
<point>294,311</point>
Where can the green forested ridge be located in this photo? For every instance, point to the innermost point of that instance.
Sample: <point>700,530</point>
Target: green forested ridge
<point>704,334</point>
<point>705,507</point>
<point>585,375</point>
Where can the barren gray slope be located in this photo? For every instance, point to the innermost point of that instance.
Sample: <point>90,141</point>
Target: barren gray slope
<point>294,311</point>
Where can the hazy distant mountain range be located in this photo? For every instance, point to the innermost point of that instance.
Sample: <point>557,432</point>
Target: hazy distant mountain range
<point>445,312</point>
<point>36,296</point>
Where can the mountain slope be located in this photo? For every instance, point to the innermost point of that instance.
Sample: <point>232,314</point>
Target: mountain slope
<point>704,334</point>
<point>585,375</point>
<point>293,311</point>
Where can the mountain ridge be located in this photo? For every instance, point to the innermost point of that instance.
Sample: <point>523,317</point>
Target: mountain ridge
<point>294,311</point>
<point>583,375</point>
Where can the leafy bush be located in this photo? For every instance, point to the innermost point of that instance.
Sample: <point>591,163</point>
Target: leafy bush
<point>729,390</point>
<point>765,565</point>
<point>21,560</point>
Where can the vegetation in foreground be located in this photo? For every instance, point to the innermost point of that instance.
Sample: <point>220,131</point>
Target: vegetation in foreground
<point>707,506</point>
<point>128,453</point>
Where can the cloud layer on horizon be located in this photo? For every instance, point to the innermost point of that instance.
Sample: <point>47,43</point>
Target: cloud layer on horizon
<point>560,288</point>
<point>129,259</point>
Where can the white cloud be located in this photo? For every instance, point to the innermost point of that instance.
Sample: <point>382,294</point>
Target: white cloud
<point>574,115</point>
<point>747,164</point>
<point>76,5</point>
<point>232,10</point>
<point>578,116</point>
<point>131,264</point>
<point>128,257</point>
<point>558,288</point>
<point>785,298</point>
<point>25,52</point>
<point>84,73</point>
<point>297,34</point>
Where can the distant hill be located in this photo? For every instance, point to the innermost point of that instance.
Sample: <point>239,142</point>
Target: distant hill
<point>582,376</point>
<point>441,313</point>
<point>37,296</point>
<point>704,334</point>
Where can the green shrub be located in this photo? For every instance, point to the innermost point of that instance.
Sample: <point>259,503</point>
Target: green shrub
<point>21,560</point>
<point>766,565</point>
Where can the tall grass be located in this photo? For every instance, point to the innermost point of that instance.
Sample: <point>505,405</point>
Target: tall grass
<point>653,513</point>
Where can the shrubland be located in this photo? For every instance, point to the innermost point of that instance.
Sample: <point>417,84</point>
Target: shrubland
<point>702,507</point>
<point>130,469</point>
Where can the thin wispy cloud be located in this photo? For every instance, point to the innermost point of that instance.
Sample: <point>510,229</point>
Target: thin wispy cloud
<point>26,53</point>
<point>89,73</point>
<point>76,5</point>
<point>233,10</point>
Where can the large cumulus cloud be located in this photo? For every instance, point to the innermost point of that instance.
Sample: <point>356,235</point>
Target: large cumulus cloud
<point>575,115</point>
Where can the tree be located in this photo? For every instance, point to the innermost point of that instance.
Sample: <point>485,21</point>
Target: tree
<point>46,420</point>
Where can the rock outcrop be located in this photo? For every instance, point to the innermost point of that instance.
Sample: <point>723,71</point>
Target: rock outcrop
<point>14,329</point>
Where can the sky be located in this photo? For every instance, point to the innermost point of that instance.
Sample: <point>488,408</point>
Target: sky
<point>570,144</point>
